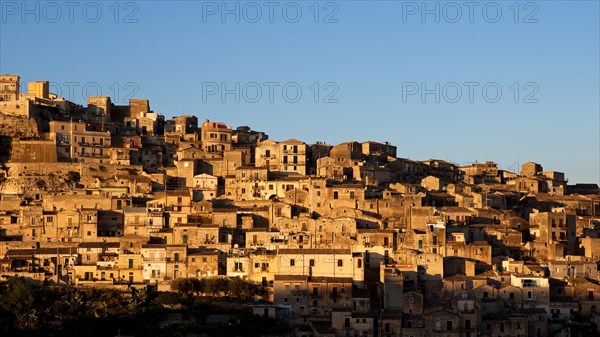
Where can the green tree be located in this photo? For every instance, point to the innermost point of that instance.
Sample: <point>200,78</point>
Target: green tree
<point>240,288</point>
<point>183,286</point>
<point>217,286</point>
<point>73,177</point>
<point>17,296</point>
<point>138,300</point>
<point>198,286</point>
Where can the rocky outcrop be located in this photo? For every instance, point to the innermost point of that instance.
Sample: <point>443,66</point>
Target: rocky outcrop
<point>19,127</point>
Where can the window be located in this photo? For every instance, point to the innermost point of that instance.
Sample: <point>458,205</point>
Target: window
<point>312,263</point>
<point>292,262</point>
<point>448,325</point>
<point>335,194</point>
<point>340,263</point>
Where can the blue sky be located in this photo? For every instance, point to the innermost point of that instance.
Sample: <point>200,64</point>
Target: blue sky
<point>371,60</point>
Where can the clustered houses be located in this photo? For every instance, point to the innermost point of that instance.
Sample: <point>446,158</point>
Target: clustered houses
<point>350,240</point>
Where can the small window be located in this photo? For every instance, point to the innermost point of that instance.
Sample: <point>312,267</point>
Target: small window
<point>340,263</point>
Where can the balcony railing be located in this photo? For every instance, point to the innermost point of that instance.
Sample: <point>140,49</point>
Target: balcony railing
<point>96,155</point>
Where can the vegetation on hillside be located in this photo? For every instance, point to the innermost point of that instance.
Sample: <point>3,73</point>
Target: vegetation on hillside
<point>30,310</point>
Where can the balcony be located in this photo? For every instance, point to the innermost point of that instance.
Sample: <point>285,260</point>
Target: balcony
<point>106,267</point>
<point>299,152</point>
<point>88,144</point>
<point>94,155</point>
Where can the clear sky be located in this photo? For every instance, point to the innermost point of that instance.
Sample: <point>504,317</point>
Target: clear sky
<point>424,75</point>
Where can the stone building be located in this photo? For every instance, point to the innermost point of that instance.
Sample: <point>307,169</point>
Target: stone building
<point>9,87</point>
<point>215,137</point>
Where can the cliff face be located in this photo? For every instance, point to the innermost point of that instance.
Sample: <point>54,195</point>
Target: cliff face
<point>27,184</point>
<point>19,127</point>
<point>25,119</point>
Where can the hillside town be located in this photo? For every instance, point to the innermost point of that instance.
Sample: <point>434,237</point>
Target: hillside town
<point>348,240</point>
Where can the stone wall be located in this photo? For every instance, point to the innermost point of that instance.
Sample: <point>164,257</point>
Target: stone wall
<point>85,169</point>
<point>18,108</point>
<point>33,151</point>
